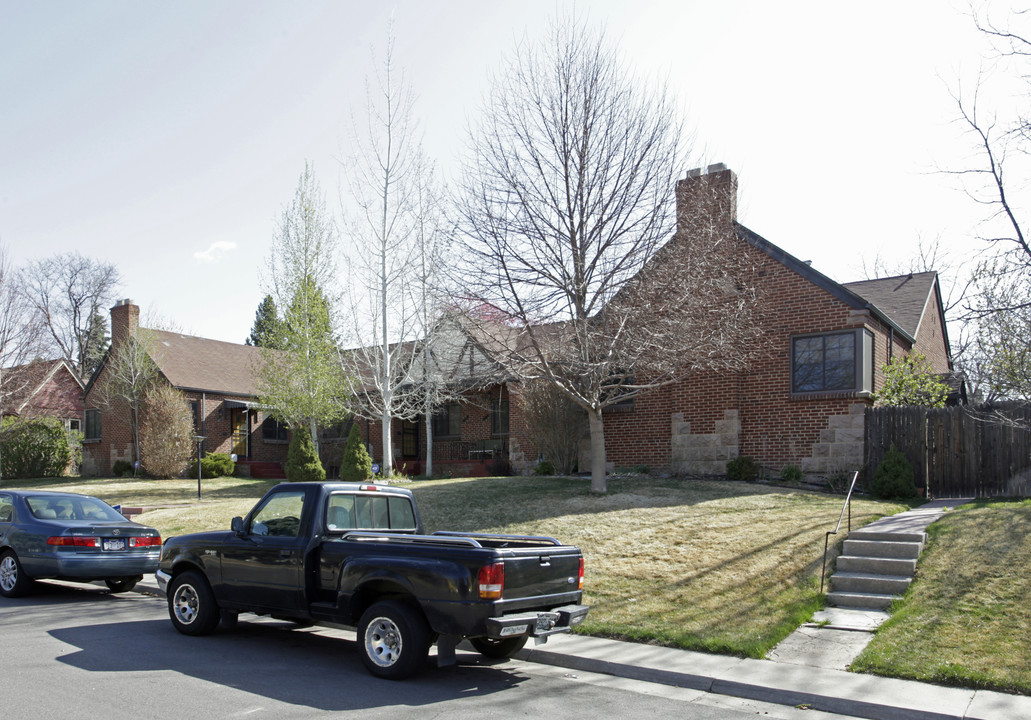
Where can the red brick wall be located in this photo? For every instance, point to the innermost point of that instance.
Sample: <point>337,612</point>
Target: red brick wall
<point>930,338</point>
<point>60,397</point>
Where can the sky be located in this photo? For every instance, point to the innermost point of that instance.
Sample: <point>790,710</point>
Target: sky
<point>167,137</point>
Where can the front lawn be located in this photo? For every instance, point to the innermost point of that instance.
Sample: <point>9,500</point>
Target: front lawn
<point>966,619</point>
<point>704,565</point>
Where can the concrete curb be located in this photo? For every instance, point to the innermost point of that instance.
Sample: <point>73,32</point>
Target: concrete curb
<point>834,691</point>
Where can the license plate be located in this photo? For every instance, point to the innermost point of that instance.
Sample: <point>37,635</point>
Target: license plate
<point>118,544</point>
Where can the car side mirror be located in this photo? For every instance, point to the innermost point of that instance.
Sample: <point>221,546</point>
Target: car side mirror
<point>236,525</point>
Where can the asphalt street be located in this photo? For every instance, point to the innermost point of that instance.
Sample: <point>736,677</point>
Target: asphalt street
<point>72,651</point>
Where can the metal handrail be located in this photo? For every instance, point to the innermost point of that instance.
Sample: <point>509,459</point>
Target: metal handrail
<point>539,539</point>
<point>827,535</point>
<point>410,539</point>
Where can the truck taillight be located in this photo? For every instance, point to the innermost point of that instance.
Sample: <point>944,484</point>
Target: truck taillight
<point>492,581</point>
<point>580,585</point>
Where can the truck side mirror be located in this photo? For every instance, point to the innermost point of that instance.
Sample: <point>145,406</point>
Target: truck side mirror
<point>236,525</point>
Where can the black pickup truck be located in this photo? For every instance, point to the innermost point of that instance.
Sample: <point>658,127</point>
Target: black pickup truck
<point>356,555</point>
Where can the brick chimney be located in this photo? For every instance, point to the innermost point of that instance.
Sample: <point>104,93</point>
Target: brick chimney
<point>707,197</point>
<point>125,320</point>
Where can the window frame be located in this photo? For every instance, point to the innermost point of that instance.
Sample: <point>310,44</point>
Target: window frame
<point>499,417</point>
<point>97,424</point>
<point>281,435</point>
<point>861,370</point>
<point>449,416</point>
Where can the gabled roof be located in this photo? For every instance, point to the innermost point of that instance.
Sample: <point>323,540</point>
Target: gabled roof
<point>194,363</point>
<point>904,297</point>
<point>844,293</point>
<point>28,380</point>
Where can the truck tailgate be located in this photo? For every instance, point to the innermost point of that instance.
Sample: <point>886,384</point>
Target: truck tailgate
<point>532,573</point>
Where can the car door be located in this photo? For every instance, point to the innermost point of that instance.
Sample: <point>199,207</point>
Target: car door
<point>262,566</point>
<point>6,517</point>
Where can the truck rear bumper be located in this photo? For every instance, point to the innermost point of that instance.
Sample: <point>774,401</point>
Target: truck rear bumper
<point>537,624</point>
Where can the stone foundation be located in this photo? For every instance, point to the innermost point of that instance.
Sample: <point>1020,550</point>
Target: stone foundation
<point>705,453</point>
<point>840,448</point>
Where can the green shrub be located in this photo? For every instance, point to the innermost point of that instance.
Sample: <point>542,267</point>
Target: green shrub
<point>302,462</point>
<point>34,448</point>
<point>791,474</point>
<point>893,478</point>
<point>122,468</point>
<point>215,465</point>
<point>356,465</point>
<point>543,467</point>
<point>743,469</point>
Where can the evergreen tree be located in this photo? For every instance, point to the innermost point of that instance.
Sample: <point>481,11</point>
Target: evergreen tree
<point>266,327</point>
<point>302,461</point>
<point>356,465</point>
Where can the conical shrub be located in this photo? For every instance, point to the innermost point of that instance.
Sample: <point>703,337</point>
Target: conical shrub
<point>356,465</point>
<point>302,462</point>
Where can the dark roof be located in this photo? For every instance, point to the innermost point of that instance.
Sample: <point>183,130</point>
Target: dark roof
<point>194,363</point>
<point>904,298</point>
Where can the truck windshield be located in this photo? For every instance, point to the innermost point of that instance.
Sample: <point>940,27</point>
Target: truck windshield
<point>369,512</point>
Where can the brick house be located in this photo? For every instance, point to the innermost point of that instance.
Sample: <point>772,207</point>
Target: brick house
<point>803,404</point>
<point>45,388</point>
<point>217,379</point>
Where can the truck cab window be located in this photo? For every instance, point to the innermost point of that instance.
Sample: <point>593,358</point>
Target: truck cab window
<point>280,516</point>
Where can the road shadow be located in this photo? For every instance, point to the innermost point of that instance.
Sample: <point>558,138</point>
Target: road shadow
<point>313,667</point>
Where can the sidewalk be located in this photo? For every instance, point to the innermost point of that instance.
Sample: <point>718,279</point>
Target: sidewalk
<point>834,691</point>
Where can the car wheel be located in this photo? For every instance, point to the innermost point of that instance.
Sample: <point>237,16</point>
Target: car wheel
<point>394,639</point>
<point>13,580</point>
<point>191,604</point>
<point>120,585</point>
<point>489,647</point>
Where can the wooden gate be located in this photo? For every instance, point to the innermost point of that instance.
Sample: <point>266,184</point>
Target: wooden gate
<point>965,451</point>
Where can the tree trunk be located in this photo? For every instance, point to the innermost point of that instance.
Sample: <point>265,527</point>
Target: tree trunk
<point>597,451</point>
<point>314,428</point>
<point>387,465</point>
<point>428,470</point>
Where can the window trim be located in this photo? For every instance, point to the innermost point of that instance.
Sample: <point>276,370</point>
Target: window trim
<point>451,411</point>
<point>282,435</point>
<point>97,424</point>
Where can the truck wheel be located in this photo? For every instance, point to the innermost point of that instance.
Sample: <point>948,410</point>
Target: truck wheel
<point>489,647</point>
<point>191,604</point>
<point>394,639</point>
<point>120,585</point>
<point>13,580</point>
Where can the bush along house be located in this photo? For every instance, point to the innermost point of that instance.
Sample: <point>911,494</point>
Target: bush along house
<point>217,378</point>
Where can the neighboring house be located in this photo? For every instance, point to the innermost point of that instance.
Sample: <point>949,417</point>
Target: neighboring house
<point>803,404</point>
<point>45,388</point>
<point>218,379</point>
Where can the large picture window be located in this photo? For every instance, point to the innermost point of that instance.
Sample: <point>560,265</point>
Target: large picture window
<point>273,431</point>
<point>832,362</point>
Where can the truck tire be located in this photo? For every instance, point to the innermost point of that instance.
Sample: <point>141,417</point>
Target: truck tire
<point>394,639</point>
<point>191,604</point>
<point>489,647</point>
<point>13,580</point>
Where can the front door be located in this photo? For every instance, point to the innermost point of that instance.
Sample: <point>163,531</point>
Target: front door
<point>241,432</point>
<point>409,439</point>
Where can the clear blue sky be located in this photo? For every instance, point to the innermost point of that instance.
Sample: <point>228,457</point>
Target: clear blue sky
<point>166,137</point>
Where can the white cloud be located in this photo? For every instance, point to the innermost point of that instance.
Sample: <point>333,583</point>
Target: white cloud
<point>215,253</point>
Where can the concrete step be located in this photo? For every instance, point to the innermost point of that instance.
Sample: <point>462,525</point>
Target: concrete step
<point>865,601</point>
<point>867,534</point>
<point>876,565</point>
<point>882,549</point>
<point>870,583</point>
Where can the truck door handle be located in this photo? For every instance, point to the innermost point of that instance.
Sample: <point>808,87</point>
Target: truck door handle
<point>545,561</point>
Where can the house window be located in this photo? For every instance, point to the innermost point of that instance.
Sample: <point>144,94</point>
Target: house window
<point>832,362</point>
<point>447,421</point>
<point>499,417</point>
<point>73,425</point>
<point>195,410</point>
<point>93,429</point>
<point>273,431</point>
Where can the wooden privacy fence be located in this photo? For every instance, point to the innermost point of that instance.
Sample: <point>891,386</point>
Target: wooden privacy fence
<point>963,451</point>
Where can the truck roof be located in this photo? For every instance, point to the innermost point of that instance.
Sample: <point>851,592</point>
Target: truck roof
<point>346,487</point>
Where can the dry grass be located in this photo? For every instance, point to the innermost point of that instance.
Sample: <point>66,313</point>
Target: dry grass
<point>966,619</point>
<point>716,566</point>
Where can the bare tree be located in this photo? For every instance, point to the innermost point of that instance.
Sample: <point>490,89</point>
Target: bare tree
<point>128,376</point>
<point>20,333</point>
<point>71,293</point>
<point>566,212</point>
<point>996,347</point>
<point>392,261</point>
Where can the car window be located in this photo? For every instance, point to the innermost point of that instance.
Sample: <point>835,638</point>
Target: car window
<point>280,515</point>
<point>72,508</point>
<point>369,512</point>
<point>6,508</point>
